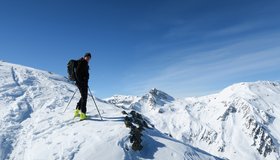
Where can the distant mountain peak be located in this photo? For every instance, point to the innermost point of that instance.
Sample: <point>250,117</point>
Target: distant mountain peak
<point>158,94</point>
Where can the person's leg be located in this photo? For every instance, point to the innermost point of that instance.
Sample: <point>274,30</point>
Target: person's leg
<point>84,94</point>
<point>78,107</point>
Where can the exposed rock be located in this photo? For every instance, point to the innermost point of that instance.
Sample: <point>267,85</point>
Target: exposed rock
<point>262,139</point>
<point>136,123</point>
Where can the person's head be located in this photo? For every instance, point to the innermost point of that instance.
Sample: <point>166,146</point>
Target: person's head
<point>87,56</point>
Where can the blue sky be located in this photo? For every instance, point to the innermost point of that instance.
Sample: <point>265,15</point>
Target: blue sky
<point>183,47</point>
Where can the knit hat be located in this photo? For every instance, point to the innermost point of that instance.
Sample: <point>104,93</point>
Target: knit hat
<point>87,55</point>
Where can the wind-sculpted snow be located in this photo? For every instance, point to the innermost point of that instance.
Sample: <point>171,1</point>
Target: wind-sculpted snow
<point>34,126</point>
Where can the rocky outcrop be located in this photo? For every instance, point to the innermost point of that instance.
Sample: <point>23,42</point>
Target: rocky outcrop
<point>137,124</point>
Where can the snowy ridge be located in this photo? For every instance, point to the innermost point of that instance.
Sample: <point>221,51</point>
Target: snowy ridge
<point>122,101</point>
<point>240,122</point>
<point>33,125</point>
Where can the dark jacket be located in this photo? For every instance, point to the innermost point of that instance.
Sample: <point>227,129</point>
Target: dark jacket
<point>82,72</point>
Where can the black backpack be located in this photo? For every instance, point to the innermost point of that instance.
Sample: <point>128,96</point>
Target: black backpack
<point>71,69</point>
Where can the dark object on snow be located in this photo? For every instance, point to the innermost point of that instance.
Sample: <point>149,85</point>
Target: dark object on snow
<point>135,138</point>
<point>137,146</point>
<point>128,122</point>
<point>136,123</point>
<point>124,112</point>
<point>161,110</point>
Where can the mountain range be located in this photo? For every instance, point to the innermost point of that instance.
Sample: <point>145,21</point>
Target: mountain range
<point>240,122</point>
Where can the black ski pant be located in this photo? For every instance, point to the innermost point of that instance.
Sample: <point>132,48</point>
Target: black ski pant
<point>82,104</point>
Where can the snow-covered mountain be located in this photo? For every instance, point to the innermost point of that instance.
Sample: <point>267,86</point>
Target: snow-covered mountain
<point>122,101</point>
<point>240,122</point>
<point>34,126</point>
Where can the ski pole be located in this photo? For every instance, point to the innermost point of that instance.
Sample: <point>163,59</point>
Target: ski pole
<point>70,101</point>
<point>95,104</point>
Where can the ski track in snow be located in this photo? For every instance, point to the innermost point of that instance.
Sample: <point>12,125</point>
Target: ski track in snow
<point>21,111</point>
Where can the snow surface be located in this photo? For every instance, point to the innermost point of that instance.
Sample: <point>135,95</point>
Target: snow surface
<point>34,126</point>
<point>240,122</point>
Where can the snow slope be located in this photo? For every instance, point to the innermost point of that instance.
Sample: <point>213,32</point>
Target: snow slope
<point>33,125</point>
<point>240,122</point>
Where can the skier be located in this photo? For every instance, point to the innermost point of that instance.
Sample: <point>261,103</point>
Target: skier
<point>82,76</point>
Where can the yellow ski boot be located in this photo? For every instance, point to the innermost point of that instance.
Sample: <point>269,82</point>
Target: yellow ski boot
<point>76,113</point>
<point>83,116</point>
